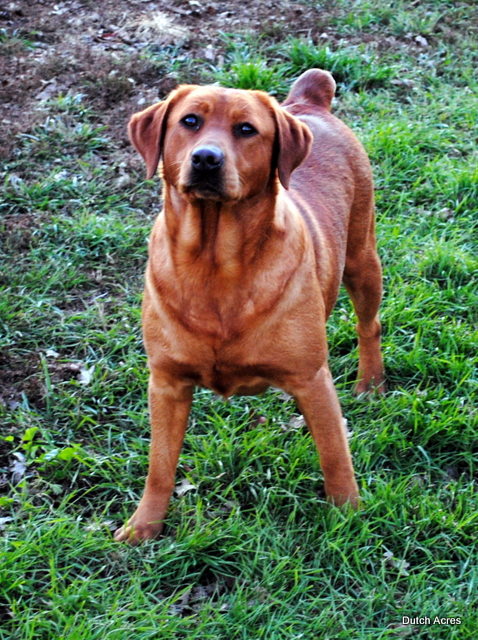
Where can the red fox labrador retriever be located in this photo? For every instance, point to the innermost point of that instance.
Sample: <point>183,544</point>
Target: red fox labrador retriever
<point>267,208</point>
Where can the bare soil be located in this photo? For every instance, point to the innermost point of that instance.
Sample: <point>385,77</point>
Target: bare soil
<point>97,49</point>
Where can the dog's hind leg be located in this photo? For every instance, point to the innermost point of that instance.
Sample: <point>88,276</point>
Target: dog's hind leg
<point>363,281</point>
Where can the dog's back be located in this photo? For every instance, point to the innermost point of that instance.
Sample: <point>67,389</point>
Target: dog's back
<point>333,187</point>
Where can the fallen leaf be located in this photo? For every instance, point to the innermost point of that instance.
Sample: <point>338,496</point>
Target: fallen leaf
<point>294,424</point>
<point>420,40</point>
<point>183,487</point>
<point>18,467</point>
<point>51,89</point>
<point>86,375</point>
<point>4,522</point>
<point>401,565</point>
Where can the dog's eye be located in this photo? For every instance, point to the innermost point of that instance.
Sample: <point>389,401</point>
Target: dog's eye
<point>191,121</point>
<point>244,130</point>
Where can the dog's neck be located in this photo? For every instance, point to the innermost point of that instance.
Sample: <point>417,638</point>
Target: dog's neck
<point>225,235</point>
<point>221,264</point>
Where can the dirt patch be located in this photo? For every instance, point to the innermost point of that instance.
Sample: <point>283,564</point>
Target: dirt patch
<point>19,374</point>
<point>17,234</point>
<point>23,375</point>
<point>98,49</point>
<point>124,54</point>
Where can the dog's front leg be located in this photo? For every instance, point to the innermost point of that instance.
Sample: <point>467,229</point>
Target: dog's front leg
<point>169,405</point>
<point>317,400</point>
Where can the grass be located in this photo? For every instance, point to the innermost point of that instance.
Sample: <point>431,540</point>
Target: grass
<point>252,64</point>
<point>251,549</point>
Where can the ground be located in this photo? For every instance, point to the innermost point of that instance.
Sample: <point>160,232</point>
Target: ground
<point>96,48</point>
<point>250,550</point>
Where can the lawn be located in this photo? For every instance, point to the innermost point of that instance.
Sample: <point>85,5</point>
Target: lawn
<point>251,550</point>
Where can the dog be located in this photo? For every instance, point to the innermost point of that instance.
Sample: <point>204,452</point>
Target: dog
<point>267,208</point>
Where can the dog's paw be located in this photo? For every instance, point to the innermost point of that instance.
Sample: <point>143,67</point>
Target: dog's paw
<point>136,531</point>
<point>370,387</point>
<point>342,494</point>
<point>345,502</point>
<point>351,501</point>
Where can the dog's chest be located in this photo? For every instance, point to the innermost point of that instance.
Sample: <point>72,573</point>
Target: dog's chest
<point>227,378</point>
<point>245,365</point>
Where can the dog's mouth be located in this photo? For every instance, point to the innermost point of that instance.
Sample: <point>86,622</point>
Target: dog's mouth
<point>205,192</point>
<point>205,188</point>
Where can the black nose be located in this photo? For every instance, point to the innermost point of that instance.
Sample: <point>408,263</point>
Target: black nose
<point>207,158</point>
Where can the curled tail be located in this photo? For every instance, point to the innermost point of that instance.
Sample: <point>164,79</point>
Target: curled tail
<point>315,86</point>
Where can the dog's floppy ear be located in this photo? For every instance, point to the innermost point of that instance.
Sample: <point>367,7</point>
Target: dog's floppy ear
<point>146,129</point>
<point>293,143</point>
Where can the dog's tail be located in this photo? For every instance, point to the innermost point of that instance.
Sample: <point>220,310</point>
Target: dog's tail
<point>315,87</point>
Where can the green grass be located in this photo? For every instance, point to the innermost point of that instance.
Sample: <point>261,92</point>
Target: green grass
<point>252,64</point>
<point>251,549</point>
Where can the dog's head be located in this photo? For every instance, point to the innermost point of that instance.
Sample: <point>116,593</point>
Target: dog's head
<point>219,144</point>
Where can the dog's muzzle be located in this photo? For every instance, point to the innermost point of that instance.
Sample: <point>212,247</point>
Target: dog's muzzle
<point>205,177</point>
